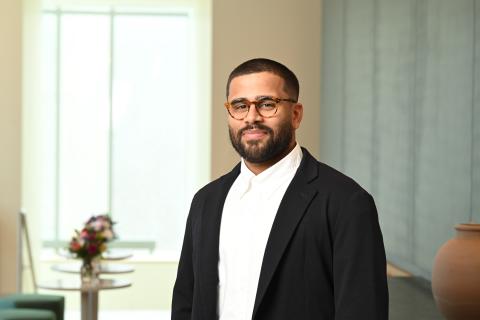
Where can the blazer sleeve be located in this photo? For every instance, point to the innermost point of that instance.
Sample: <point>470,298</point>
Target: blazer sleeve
<point>359,263</point>
<point>182,299</point>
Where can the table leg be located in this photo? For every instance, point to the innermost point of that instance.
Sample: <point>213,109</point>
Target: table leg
<point>89,305</point>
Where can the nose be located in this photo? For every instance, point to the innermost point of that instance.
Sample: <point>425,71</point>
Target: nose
<point>253,116</point>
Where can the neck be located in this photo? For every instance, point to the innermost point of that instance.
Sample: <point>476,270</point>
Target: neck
<point>258,168</point>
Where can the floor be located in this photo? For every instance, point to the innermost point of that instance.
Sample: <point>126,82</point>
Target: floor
<point>123,315</point>
<point>410,299</point>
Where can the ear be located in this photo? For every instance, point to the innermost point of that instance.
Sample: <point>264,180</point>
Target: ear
<point>297,115</point>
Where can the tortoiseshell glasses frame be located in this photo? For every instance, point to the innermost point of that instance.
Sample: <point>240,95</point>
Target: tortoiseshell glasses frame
<point>266,107</point>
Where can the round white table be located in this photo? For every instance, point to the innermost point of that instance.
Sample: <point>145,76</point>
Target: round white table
<point>89,292</point>
<point>107,255</point>
<point>103,268</point>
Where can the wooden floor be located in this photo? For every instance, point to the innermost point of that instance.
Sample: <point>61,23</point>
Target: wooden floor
<point>393,271</point>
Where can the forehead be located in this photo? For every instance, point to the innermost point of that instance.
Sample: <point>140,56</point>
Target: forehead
<point>256,84</point>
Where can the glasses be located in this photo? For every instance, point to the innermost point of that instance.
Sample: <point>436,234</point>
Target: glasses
<point>266,107</point>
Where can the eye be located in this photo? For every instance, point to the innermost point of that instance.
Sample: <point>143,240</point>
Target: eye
<point>267,104</point>
<point>239,106</point>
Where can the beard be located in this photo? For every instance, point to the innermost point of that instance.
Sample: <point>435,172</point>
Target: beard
<point>257,151</point>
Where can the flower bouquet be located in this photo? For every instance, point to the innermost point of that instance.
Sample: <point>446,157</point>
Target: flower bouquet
<point>89,243</point>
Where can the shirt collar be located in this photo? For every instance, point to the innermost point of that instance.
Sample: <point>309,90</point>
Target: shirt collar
<point>274,175</point>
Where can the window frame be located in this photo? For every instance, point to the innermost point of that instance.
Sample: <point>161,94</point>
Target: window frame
<point>58,243</point>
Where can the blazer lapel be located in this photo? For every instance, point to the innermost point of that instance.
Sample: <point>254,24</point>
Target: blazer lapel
<point>292,208</point>
<point>208,243</point>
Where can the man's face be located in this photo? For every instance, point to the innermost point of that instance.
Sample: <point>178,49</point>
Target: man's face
<point>255,138</point>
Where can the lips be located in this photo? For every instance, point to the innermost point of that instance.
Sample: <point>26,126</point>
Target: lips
<point>255,132</point>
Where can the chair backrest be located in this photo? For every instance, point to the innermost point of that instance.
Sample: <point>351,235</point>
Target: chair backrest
<point>24,230</point>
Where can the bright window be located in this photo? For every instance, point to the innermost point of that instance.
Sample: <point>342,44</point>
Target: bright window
<point>122,104</point>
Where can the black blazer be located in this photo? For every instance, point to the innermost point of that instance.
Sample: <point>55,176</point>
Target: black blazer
<point>324,258</point>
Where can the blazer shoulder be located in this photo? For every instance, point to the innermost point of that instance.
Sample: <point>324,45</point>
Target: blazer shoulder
<point>218,185</point>
<point>338,181</point>
<point>331,181</point>
<point>345,199</point>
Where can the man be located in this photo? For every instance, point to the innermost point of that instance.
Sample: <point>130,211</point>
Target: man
<point>281,236</point>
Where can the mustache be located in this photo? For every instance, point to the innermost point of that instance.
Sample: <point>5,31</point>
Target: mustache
<point>257,126</point>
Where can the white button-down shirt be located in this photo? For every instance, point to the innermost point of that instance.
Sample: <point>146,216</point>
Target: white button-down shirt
<point>248,214</point>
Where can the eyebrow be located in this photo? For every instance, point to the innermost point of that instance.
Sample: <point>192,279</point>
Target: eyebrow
<point>257,98</point>
<point>263,97</point>
<point>238,100</point>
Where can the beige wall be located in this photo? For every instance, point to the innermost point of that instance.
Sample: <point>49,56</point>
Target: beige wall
<point>284,30</point>
<point>10,137</point>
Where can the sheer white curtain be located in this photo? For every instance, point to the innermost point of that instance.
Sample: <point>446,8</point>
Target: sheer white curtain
<point>401,114</point>
<point>121,122</point>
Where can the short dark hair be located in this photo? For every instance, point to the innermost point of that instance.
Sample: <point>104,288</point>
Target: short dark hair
<point>266,65</point>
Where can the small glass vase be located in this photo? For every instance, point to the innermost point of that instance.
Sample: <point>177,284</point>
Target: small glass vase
<point>86,271</point>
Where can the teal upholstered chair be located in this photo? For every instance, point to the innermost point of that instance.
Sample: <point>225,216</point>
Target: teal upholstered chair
<point>32,307</point>
<point>25,306</point>
<point>26,314</point>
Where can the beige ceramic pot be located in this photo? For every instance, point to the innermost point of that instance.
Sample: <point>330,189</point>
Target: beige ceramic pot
<point>456,275</point>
